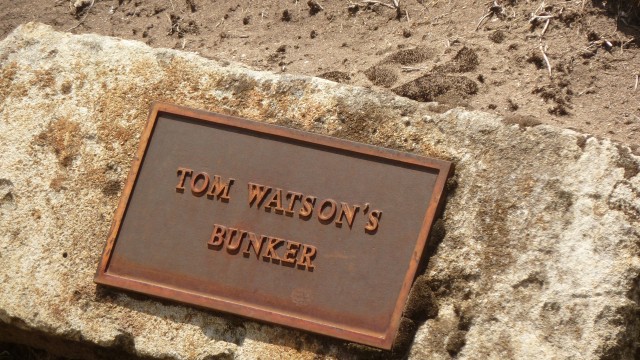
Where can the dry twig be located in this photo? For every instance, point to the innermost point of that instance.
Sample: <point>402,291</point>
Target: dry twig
<point>636,86</point>
<point>374,2</point>
<point>484,17</point>
<point>541,14</point>
<point>540,17</point>
<point>434,21</point>
<point>411,68</point>
<point>84,17</point>
<point>544,29</point>
<point>540,7</point>
<point>625,43</point>
<point>495,9</point>
<point>588,90</point>
<point>173,28</point>
<point>544,56</point>
<point>394,5</point>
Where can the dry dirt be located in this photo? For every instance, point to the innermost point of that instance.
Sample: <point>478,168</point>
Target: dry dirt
<point>481,55</point>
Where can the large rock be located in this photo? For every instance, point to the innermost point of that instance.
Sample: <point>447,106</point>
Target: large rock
<point>537,254</point>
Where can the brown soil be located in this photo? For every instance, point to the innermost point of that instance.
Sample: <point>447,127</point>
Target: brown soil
<point>481,55</point>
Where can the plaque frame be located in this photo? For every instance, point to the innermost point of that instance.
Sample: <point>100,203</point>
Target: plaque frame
<point>103,277</point>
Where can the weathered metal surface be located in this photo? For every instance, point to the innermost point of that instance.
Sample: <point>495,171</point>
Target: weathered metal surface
<point>275,224</point>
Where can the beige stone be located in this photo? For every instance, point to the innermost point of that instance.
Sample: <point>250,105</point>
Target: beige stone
<point>539,256</point>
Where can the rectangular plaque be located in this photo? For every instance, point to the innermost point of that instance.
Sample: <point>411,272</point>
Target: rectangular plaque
<point>274,224</point>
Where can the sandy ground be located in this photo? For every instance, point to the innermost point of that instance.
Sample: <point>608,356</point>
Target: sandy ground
<point>568,63</point>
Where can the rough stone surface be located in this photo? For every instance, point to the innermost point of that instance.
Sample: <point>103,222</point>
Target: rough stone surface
<point>538,254</point>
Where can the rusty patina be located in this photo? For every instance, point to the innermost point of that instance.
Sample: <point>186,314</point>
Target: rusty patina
<point>275,224</point>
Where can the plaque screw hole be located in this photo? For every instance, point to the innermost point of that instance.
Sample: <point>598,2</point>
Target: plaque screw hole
<point>64,254</point>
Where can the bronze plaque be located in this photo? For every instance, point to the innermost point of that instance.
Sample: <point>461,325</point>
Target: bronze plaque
<point>274,224</point>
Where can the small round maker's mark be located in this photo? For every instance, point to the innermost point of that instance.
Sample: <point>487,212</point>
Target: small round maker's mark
<point>301,296</point>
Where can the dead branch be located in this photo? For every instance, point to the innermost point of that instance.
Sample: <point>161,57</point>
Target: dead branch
<point>411,68</point>
<point>494,10</point>
<point>84,17</point>
<point>539,8</point>
<point>173,27</point>
<point>541,14</point>
<point>540,17</point>
<point>374,2</point>
<point>544,56</point>
<point>544,29</point>
<point>482,19</point>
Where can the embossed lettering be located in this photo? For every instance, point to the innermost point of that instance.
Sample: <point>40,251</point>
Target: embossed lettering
<point>271,249</point>
<point>257,193</point>
<point>307,206</point>
<point>308,254</point>
<point>219,188</point>
<point>256,242</point>
<point>327,215</point>
<point>293,197</point>
<point>374,219</point>
<point>200,184</point>
<point>347,212</point>
<point>183,173</point>
<point>268,248</point>
<point>234,247</point>
<point>279,202</point>
<point>217,236</point>
<point>292,252</point>
<point>275,202</point>
<point>199,190</point>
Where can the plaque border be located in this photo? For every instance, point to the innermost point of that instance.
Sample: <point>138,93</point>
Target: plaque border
<point>103,277</point>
